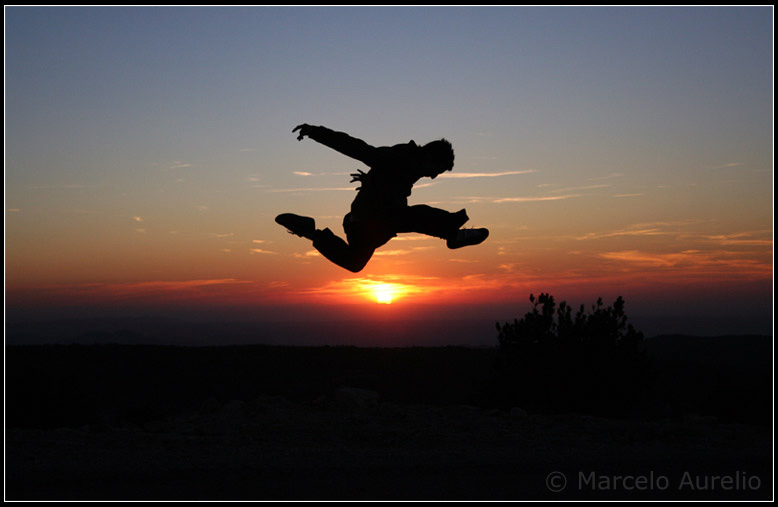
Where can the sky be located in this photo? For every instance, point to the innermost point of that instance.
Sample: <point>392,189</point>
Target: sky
<point>610,152</point>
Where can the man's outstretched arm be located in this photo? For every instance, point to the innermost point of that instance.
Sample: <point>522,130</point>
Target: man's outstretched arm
<point>338,141</point>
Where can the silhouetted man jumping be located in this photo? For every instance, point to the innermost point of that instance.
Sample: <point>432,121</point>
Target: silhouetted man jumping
<point>380,210</point>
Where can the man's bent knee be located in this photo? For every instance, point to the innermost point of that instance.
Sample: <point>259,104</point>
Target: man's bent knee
<point>357,263</point>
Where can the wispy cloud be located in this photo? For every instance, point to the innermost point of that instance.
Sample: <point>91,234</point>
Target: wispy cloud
<point>653,259</point>
<point>179,165</point>
<point>325,173</point>
<point>311,189</point>
<point>306,255</point>
<point>412,237</point>
<point>261,251</point>
<point>455,175</point>
<point>642,229</point>
<point>401,251</point>
<point>729,165</point>
<point>500,200</point>
<point>392,253</point>
<point>695,262</point>
<point>632,231</point>
<point>742,239</point>
<point>509,267</point>
<point>578,189</point>
<point>559,194</point>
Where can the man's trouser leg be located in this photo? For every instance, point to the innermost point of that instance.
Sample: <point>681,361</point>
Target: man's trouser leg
<point>351,257</point>
<point>427,220</point>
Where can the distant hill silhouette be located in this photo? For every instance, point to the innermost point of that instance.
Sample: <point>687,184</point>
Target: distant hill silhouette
<point>66,385</point>
<point>729,377</point>
<point>744,351</point>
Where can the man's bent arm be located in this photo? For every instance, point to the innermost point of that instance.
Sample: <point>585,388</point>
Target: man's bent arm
<point>341,142</point>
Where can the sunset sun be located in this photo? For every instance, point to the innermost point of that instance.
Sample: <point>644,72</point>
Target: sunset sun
<point>385,293</point>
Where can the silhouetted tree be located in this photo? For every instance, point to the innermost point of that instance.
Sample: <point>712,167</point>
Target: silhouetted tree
<point>552,360</point>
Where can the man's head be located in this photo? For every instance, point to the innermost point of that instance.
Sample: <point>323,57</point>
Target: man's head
<point>438,158</point>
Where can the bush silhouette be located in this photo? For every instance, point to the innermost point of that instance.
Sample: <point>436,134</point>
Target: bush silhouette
<point>550,360</point>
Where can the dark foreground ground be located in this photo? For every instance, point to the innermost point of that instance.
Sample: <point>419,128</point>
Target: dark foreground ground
<point>107,422</point>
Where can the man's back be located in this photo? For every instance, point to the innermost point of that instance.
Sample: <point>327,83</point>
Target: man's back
<point>390,180</point>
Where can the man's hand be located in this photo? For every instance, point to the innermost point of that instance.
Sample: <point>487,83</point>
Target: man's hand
<point>359,176</point>
<point>304,131</point>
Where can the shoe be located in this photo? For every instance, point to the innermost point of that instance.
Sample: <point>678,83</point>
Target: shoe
<point>301,226</point>
<point>467,237</point>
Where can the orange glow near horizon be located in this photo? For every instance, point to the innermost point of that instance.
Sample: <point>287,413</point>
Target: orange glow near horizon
<point>499,278</point>
<point>378,291</point>
<point>418,272</point>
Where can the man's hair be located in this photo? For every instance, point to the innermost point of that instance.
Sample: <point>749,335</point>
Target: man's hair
<point>441,151</point>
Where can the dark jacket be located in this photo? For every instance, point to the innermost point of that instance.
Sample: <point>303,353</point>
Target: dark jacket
<point>388,183</point>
